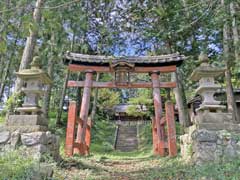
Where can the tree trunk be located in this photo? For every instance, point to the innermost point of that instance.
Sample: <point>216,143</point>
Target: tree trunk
<point>1,68</point>
<point>94,105</point>
<point>47,95</point>
<point>232,107</point>
<point>4,77</point>
<point>181,99</point>
<point>235,31</point>
<point>9,58</point>
<point>179,94</point>
<point>30,43</point>
<point>60,108</point>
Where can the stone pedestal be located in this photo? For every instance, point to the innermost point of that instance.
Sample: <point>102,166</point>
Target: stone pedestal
<point>28,129</point>
<point>213,137</point>
<point>201,146</point>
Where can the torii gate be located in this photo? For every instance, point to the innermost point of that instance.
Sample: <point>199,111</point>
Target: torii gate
<point>121,67</point>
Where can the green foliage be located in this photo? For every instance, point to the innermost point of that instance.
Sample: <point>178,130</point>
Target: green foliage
<point>145,137</point>
<point>14,101</point>
<point>107,98</point>
<point>102,134</point>
<point>15,166</point>
<point>139,103</point>
<point>2,119</point>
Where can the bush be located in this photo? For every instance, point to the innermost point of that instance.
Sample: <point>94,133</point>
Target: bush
<point>14,166</point>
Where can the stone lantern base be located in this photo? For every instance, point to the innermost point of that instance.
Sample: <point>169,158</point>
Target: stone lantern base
<point>213,138</point>
<point>26,123</point>
<point>29,132</point>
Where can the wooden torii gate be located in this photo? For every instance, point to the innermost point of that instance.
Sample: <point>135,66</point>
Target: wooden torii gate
<point>78,141</point>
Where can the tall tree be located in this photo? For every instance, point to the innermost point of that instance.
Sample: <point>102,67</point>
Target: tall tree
<point>31,42</point>
<point>47,94</point>
<point>232,107</point>
<point>235,29</point>
<point>95,98</point>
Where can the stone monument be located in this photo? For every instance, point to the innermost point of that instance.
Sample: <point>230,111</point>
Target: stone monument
<point>213,135</point>
<point>27,128</point>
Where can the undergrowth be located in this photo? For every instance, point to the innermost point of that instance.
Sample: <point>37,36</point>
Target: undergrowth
<point>105,163</point>
<point>15,166</point>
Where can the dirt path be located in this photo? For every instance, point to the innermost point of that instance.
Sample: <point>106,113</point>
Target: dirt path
<point>105,168</point>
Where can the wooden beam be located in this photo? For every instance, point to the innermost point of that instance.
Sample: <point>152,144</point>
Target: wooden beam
<point>77,68</point>
<point>162,69</point>
<point>113,85</point>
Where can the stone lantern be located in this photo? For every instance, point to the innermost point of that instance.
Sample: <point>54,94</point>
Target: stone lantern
<point>29,117</point>
<point>34,81</point>
<point>212,137</point>
<point>205,74</point>
<point>27,128</point>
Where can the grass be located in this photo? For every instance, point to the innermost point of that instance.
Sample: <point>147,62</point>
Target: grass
<point>143,167</point>
<point>2,119</point>
<point>106,164</point>
<point>119,166</point>
<point>15,166</point>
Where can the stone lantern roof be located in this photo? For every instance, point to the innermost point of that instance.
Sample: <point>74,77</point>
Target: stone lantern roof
<point>34,72</point>
<point>205,69</point>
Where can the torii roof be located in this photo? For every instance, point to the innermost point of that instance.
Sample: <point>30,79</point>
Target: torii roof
<point>161,60</point>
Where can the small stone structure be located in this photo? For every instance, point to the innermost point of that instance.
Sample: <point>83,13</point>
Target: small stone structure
<point>27,128</point>
<point>214,136</point>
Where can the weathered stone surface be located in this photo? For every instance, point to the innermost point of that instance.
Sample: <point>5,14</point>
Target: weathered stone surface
<point>43,171</point>
<point>30,139</point>
<point>216,118</point>
<point>15,139</point>
<point>26,120</point>
<point>191,129</point>
<point>2,128</point>
<point>209,146</point>
<point>213,139</point>
<point>27,129</point>
<point>46,171</point>
<point>204,136</point>
<point>4,136</point>
<point>38,151</point>
<point>185,139</point>
<point>213,126</point>
<point>230,152</point>
<point>40,148</point>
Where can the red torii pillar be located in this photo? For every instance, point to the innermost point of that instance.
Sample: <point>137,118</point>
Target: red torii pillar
<point>171,129</point>
<point>154,136</point>
<point>81,146</point>
<point>158,114</point>
<point>70,134</point>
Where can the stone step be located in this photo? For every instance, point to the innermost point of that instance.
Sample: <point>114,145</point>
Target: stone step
<point>127,138</point>
<point>127,149</point>
<point>126,132</point>
<point>123,146</point>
